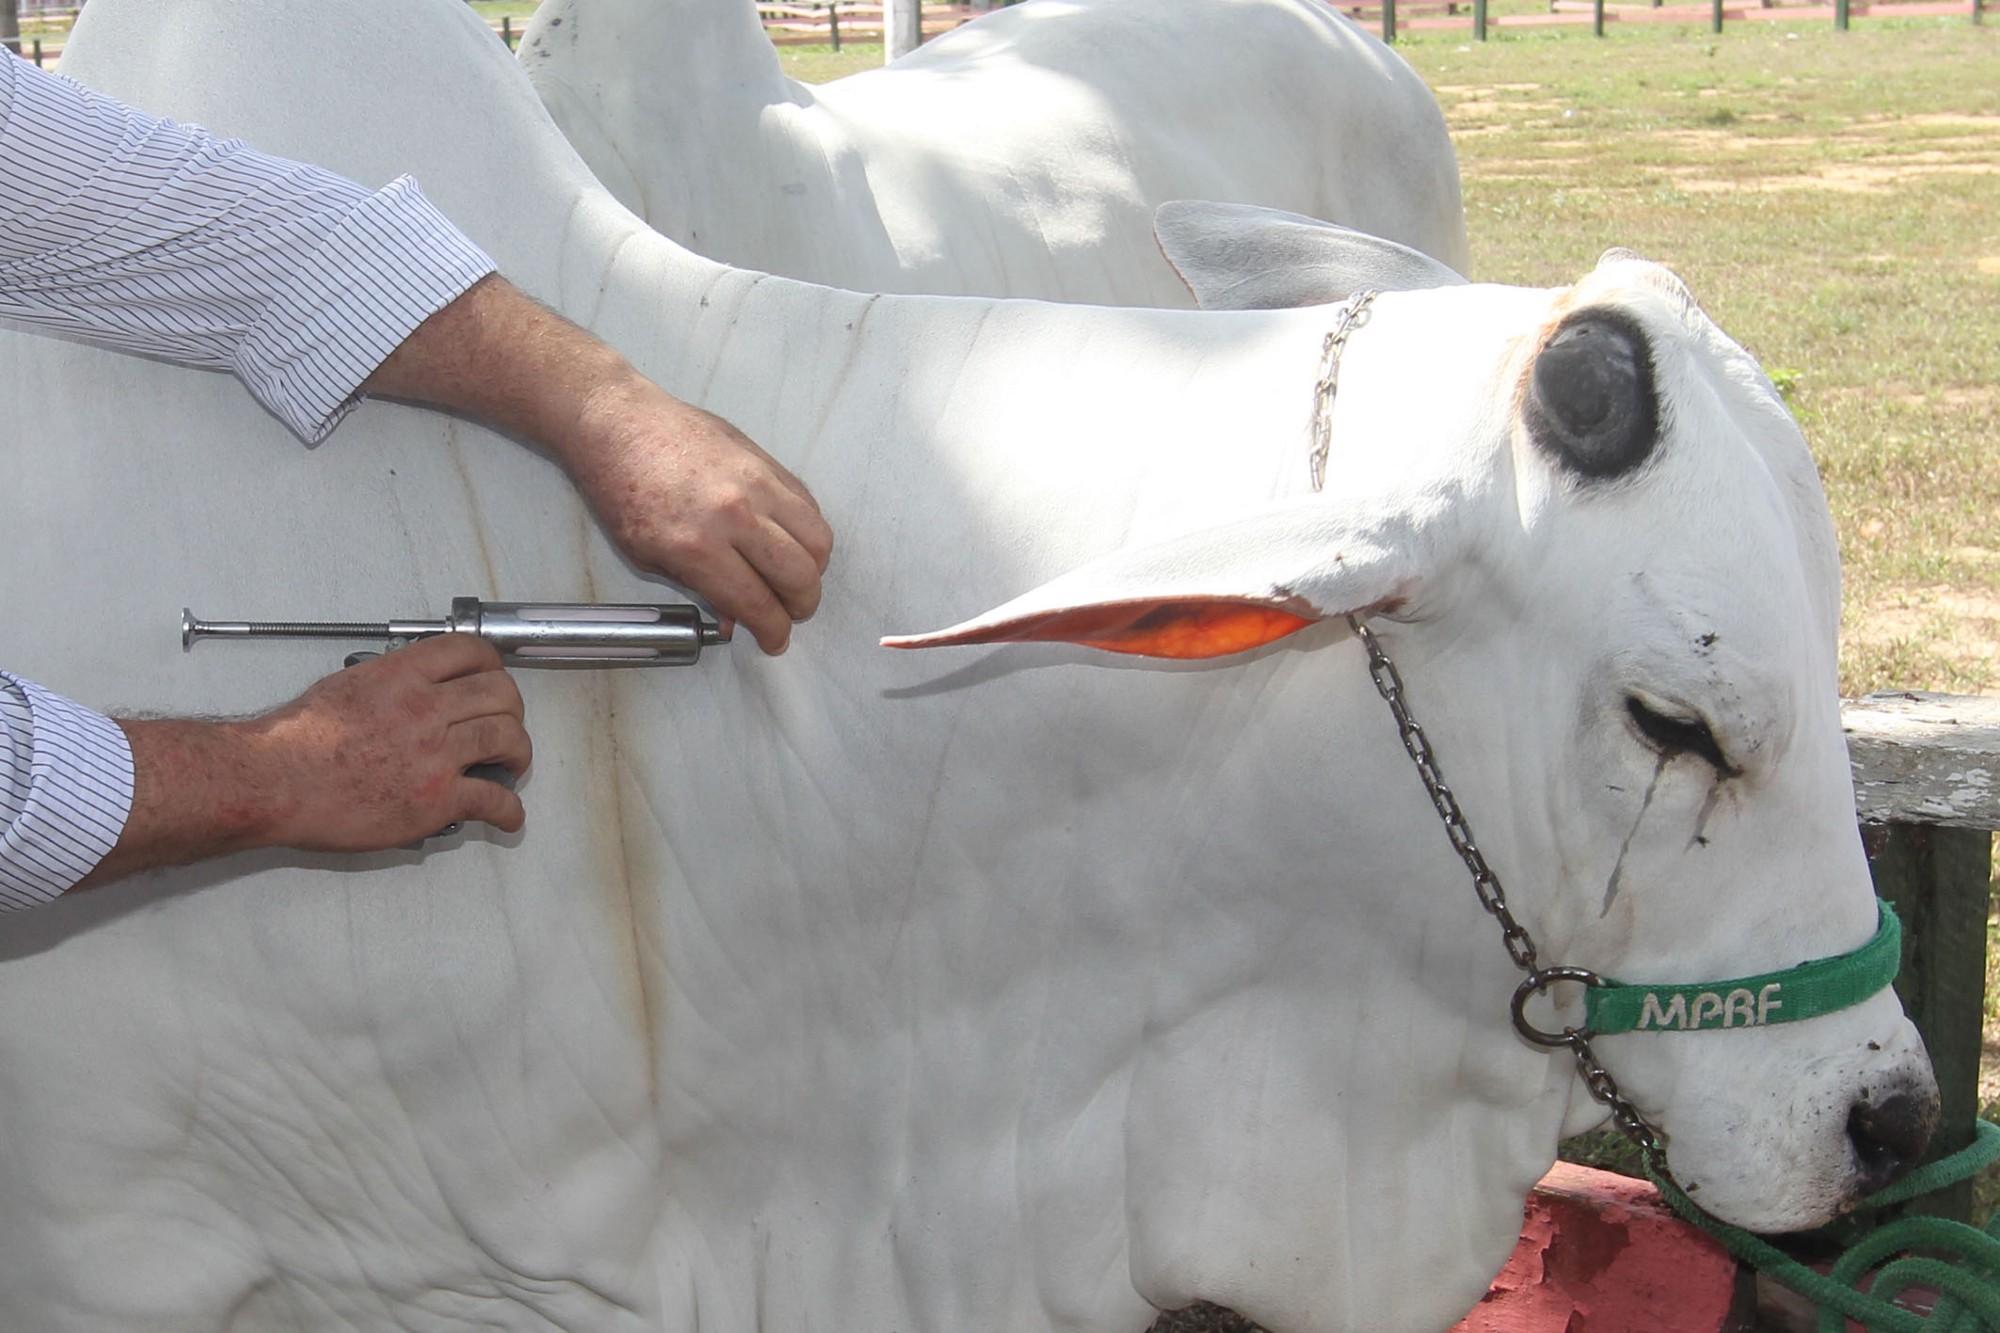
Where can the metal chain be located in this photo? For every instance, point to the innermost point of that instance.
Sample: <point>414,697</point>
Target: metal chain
<point>1597,1080</point>
<point>1520,945</point>
<point>1353,314</point>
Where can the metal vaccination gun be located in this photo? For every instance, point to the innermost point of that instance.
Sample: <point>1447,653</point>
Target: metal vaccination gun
<point>528,634</point>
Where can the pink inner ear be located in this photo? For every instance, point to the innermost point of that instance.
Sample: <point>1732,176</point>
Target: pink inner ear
<point>1186,629</point>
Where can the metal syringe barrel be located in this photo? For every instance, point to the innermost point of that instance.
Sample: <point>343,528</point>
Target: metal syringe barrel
<point>540,634</point>
<point>587,634</point>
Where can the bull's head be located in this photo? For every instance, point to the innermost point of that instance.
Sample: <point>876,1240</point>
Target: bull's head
<point>1587,526</point>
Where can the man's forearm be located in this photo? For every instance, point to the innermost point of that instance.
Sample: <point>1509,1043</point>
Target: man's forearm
<point>501,358</point>
<point>196,793</point>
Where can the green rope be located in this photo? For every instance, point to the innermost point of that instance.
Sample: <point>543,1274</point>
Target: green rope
<point>1961,1262</point>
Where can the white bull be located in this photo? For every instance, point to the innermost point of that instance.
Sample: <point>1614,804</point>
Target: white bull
<point>1021,155</point>
<point>1019,989</point>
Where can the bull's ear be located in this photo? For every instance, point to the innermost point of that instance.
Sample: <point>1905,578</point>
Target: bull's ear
<point>1222,590</point>
<point>1241,257</point>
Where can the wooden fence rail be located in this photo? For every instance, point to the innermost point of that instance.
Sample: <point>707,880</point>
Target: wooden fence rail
<point>821,22</point>
<point>1927,790</point>
<point>829,21</point>
<point>1472,15</point>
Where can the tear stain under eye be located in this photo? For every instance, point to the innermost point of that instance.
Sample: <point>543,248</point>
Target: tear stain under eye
<point>1700,837</point>
<point>1611,886</point>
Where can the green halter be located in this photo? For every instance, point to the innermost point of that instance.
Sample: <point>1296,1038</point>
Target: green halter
<point>1797,993</point>
<point>1821,986</point>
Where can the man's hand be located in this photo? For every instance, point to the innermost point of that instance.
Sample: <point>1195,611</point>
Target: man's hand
<point>370,758</point>
<point>375,756</point>
<point>681,491</point>
<point>685,494</point>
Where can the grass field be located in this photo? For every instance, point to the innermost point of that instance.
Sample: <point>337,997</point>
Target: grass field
<point>1834,199</point>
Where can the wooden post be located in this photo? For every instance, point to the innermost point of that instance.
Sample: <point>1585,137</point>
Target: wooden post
<point>833,24</point>
<point>1923,769</point>
<point>1479,20</point>
<point>1937,880</point>
<point>1715,16</point>
<point>902,28</point>
<point>1840,15</point>
<point>1389,21</point>
<point>1597,18</point>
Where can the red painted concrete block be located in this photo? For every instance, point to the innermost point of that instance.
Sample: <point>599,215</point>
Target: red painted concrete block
<point>1601,1253</point>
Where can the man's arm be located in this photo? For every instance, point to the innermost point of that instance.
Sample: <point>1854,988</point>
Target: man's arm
<point>144,235</point>
<point>370,758</point>
<point>141,234</point>
<point>679,490</point>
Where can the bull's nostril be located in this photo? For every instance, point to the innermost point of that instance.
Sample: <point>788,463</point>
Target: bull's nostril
<point>1890,1135</point>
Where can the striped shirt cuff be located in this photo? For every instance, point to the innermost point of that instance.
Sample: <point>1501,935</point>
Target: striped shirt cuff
<point>147,236</point>
<point>391,264</point>
<point>65,792</point>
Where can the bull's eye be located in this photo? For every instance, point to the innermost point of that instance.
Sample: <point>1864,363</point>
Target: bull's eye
<point>1679,735</point>
<point>1591,400</point>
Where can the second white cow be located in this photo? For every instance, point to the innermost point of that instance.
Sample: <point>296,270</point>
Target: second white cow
<point>1017,989</point>
<point>1021,155</point>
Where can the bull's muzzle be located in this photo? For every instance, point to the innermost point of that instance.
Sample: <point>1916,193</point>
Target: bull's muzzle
<point>1890,1134</point>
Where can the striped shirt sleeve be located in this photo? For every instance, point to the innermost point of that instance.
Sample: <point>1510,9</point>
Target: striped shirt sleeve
<point>65,792</point>
<point>143,235</point>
